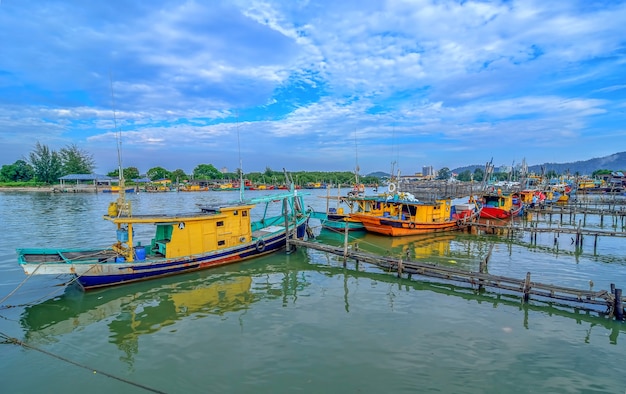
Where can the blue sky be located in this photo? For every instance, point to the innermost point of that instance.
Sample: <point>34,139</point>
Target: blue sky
<point>314,85</point>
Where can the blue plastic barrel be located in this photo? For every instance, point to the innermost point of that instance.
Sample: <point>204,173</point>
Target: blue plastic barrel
<point>140,253</point>
<point>120,259</point>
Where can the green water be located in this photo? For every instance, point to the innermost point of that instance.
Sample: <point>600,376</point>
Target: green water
<point>302,322</point>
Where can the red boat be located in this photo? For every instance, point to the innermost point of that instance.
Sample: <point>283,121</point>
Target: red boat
<point>500,206</point>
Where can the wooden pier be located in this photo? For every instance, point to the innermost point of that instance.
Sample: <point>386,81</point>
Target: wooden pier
<point>611,299</point>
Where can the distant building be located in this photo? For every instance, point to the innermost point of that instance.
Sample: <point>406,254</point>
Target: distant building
<point>224,170</point>
<point>428,171</point>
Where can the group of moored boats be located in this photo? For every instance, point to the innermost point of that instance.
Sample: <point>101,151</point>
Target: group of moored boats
<point>395,213</point>
<point>224,234</point>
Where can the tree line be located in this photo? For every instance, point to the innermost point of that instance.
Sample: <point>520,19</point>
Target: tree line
<point>45,166</point>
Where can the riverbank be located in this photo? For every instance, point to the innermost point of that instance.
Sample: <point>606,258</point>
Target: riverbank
<point>52,189</point>
<point>45,189</point>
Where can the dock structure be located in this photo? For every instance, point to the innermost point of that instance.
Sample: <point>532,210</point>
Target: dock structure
<point>611,299</point>
<point>561,220</point>
<point>573,212</point>
<point>431,190</point>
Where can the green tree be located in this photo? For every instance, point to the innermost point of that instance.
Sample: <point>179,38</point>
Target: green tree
<point>465,176</point>
<point>46,164</point>
<point>598,173</point>
<point>76,161</point>
<point>158,173</point>
<point>129,173</point>
<point>479,174</point>
<point>206,171</point>
<point>20,171</point>
<point>179,175</point>
<point>444,173</point>
<point>551,174</point>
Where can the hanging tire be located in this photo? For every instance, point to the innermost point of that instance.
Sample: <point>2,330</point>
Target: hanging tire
<point>260,245</point>
<point>411,225</point>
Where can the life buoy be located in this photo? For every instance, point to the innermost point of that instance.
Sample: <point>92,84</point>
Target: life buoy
<point>260,245</point>
<point>391,188</point>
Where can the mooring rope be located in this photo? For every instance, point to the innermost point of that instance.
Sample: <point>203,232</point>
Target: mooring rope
<point>20,285</point>
<point>48,295</point>
<point>10,340</point>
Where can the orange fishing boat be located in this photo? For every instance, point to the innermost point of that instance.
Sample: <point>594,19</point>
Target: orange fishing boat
<point>402,214</point>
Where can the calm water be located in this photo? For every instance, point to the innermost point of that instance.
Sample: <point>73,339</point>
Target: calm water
<point>303,322</point>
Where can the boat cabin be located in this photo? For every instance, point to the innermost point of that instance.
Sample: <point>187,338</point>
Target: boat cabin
<point>185,234</point>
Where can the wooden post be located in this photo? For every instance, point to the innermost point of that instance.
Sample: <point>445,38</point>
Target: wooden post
<point>527,287</point>
<point>400,268</point>
<point>345,243</point>
<point>619,309</point>
<point>287,246</point>
<point>483,267</point>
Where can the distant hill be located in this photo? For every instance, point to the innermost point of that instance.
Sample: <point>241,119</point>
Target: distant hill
<point>379,174</point>
<point>615,162</point>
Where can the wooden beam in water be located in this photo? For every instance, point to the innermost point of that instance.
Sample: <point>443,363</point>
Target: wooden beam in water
<point>479,279</point>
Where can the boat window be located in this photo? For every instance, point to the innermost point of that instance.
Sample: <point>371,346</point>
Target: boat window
<point>221,243</point>
<point>219,224</point>
<point>235,213</point>
<point>244,213</point>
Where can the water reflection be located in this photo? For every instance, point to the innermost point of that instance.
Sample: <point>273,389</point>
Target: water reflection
<point>595,318</point>
<point>451,248</point>
<point>146,308</point>
<point>133,311</point>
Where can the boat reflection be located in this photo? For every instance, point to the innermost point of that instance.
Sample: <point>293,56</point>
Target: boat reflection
<point>142,309</point>
<point>419,246</point>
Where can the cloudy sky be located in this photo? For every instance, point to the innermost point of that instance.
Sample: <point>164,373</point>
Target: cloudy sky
<point>314,85</point>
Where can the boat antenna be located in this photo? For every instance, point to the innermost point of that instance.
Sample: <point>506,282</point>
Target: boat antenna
<point>241,185</point>
<point>123,207</point>
<point>357,169</point>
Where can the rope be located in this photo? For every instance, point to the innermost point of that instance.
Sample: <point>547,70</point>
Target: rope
<point>15,341</point>
<point>20,285</point>
<point>43,297</point>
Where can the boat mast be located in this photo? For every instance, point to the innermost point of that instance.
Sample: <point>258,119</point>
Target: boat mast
<point>241,185</point>
<point>356,170</point>
<point>123,206</point>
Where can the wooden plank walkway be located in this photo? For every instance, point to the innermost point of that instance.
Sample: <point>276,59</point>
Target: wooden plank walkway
<point>611,299</point>
<point>556,230</point>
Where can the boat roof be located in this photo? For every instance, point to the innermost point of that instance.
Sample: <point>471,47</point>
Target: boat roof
<point>391,199</point>
<point>205,211</point>
<point>86,177</point>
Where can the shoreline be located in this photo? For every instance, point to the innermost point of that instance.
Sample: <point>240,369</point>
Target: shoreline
<point>47,189</point>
